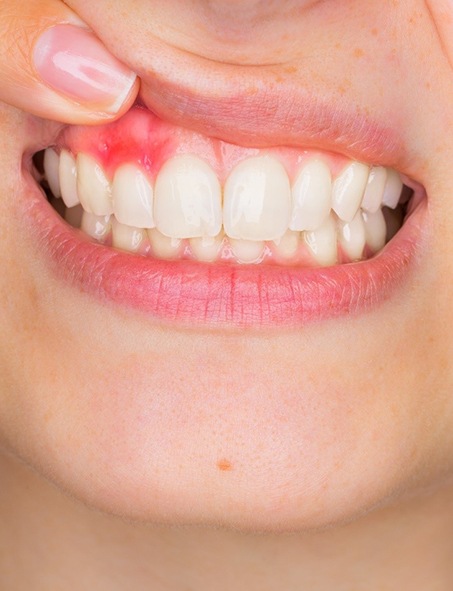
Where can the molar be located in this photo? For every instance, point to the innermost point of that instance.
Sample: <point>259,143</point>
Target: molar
<point>257,200</point>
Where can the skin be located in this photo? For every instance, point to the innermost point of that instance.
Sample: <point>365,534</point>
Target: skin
<point>276,449</point>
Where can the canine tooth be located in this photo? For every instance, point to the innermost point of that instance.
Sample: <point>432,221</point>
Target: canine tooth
<point>96,226</point>
<point>323,243</point>
<point>132,197</point>
<point>94,189</point>
<point>374,192</point>
<point>68,179</point>
<point>375,229</point>
<point>127,237</point>
<point>288,244</point>
<point>52,171</point>
<point>73,215</point>
<point>206,249</point>
<point>393,188</point>
<point>348,190</point>
<point>311,196</point>
<point>247,251</point>
<point>352,237</point>
<point>187,199</point>
<point>257,200</point>
<point>164,247</point>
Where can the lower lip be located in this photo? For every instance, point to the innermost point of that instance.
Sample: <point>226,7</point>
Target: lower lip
<point>187,293</point>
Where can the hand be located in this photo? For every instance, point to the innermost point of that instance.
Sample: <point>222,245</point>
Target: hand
<point>53,66</point>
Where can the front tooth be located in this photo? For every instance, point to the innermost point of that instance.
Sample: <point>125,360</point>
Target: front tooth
<point>352,237</point>
<point>94,189</point>
<point>374,192</point>
<point>68,179</point>
<point>323,243</point>
<point>288,245</point>
<point>52,171</point>
<point>164,247</point>
<point>257,200</point>
<point>311,196</point>
<point>247,251</point>
<point>187,199</point>
<point>127,237</point>
<point>132,197</point>
<point>348,190</point>
<point>98,227</point>
<point>393,188</point>
<point>375,229</point>
<point>206,249</point>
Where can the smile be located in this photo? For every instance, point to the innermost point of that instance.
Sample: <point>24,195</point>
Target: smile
<point>189,227</point>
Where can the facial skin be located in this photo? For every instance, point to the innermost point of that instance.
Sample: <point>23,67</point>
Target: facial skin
<point>262,431</point>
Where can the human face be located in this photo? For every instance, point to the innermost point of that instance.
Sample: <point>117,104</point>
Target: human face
<point>251,395</point>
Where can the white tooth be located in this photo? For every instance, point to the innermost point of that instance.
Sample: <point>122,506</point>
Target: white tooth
<point>375,229</point>
<point>94,189</point>
<point>247,251</point>
<point>348,190</point>
<point>288,245</point>
<point>132,197</point>
<point>352,237</point>
<point>323,243</point>
<point>52,171</point>
<point>73,215</point>
<point>393,188</point>
<point>96,226</point>
<point>68,179</point>
<point>257,200</point>
<point>311,196</point>
<point>127,237</point>
<point>187,199</point>
<point>164,247</point>
<point>374,192</point>
<point>206,249</point>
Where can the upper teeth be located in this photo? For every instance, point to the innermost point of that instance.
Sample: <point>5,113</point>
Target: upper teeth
<point>259,202</point>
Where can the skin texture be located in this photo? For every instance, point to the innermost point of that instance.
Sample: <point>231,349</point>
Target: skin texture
<point>339,433</point>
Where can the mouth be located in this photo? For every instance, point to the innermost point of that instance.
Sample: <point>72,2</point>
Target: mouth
<point>193,229</point>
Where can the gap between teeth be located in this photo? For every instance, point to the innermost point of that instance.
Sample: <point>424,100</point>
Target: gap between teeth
<point>258,213</point>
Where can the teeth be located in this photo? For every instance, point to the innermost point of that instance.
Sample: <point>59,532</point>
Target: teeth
<point>323,243</point>
<point>187,200</point>
<point>257,200</point>
<point>51,170</point>
<point>93,187</point>
<point>375,229</point>
<point>247,251</point>
<point>206,249</point>
<point>348,190</point>
<point>96,226</point>
<point>311,196</point>
<point>352,237</point>
<point>288,245</point>
<point>68,179</point>
<point>132,197</point>
<point>393,188</point>
<point>164,247</point>
<point>374,192</point>
<point>127,237</point>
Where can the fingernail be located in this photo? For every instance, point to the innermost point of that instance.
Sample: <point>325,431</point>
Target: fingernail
<point>74,62</point>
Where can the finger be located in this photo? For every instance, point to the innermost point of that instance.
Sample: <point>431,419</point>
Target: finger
<point>53,66</point>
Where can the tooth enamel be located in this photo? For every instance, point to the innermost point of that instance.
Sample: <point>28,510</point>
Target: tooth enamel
<point>52,171</point>
<point>127,237</point>
<point>132,197</point>
<point>187,199</point>
<point>247,251</point>
<point>93,187</point>
<point>68,179</point>
<point>257,200</point>
<point>164,247</point>
<point>393,188</point>
<point>323,243</point>
<point>374,191</point>
<point>96,226</point>
<point>375,229</point>
<point>311,196</point>
<point>352,237</point>
<point>348,190</point>
<point>73,215</point>
<point>288,245</point>
<point>206,249</point>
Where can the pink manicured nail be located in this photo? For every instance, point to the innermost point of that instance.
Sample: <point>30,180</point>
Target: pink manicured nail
<point>74,62</point>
